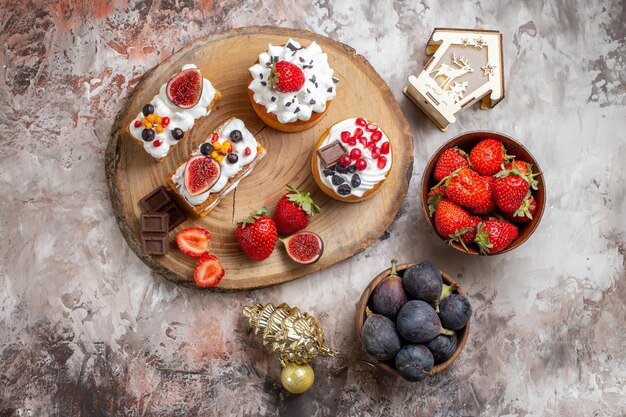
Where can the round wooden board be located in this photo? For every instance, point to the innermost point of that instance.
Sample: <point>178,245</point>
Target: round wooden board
<point>224,58</point>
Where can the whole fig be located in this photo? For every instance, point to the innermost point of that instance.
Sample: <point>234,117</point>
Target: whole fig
<point>423,281</point>
<point>389,295</point>
<point>414,362</point>
<point>418,322</point>
<point>455,311</point>
<point>379,337</point>
<point>442,347</point>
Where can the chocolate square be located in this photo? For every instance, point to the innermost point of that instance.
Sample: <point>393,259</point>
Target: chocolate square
<point>154,244</point>
<point>176,215</point>
<point>156,200</point>
<point>155,223</point>
<point>331,153</point>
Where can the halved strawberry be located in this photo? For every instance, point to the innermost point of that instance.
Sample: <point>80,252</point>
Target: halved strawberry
<point>208,272</point>
<point>194,241</point>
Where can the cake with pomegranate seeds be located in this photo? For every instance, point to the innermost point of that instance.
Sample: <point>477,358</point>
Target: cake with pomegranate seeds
<point>166,119</point>
<point>352,160</point>
<point>216,167</point>
<point>291,87</point>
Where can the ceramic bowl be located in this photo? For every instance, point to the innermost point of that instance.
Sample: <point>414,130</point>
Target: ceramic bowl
<point>461,335</point>
<point>466,142</point>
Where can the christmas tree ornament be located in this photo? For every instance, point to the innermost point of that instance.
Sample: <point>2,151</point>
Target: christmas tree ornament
<point>297,378</point>
<point>466,66</point>
<point>295,336</point>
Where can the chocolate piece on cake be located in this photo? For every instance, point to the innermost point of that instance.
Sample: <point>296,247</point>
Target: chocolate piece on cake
<point>331,153</point>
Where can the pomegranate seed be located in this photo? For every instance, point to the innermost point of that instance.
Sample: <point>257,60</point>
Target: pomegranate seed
<point>361,121</point>
<point>384,148</point>
<point>230,149</point>
<point>248,151</point>
<point>375,152</point>
<point>382,161</point>
<point>215,137</point>
<point>361,164</point>
<point>345,135</point>
<point>157,143</point>
<point>371,127</point>
<point>355,153</point>
<point>165,121</point>
<point>371,144</point>
<point>363,141</point>
<point>345,160</point>
<point>352,141</point>
<point>358,132</point>
<point>376,136</point>
<point>137,123</point>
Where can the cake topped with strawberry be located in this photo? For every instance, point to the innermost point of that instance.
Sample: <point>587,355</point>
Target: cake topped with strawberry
<point>164,121</point>
<point>293,82</point>
<point>216,166</point>
<point>361,165</point>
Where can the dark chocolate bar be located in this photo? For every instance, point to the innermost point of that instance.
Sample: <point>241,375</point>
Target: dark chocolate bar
<point>156,200</point>
<point>155,223</point>
<point>154,244</point>
<point>160,201</point>
<point>331,153</point>
<point>176,215</point>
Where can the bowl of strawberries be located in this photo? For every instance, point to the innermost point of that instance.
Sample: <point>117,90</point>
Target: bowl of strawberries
<point>483,193</point>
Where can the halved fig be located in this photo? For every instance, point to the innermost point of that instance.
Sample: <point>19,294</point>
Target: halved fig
<point>201,173</point>
<point>185,88</point>
<point>304,247</point>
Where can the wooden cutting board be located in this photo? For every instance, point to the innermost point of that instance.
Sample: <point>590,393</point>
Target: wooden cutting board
<point>224,58</point>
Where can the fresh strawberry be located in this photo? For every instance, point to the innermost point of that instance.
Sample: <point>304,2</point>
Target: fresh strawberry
<point>434,197</point>
<point>486,209</point>
<point>493,236</point>
<point>469,237</point>
<point>467,188</point>
<point>525,169</point>
<point>526,210</point>
<point>488,156</point>
<point>450,160</point>
<point>286,77</point>
<point>208,271</point>
<point>293,211</point>
<point>510,188</point>
<point>257,235</point>
<point>194,241</point>
<point>453,223</point>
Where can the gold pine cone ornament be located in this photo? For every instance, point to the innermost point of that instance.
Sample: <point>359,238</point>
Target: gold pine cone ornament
<point>295,336</point>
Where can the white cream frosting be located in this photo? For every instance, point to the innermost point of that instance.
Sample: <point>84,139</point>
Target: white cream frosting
<point>179,118</point>
<point>371,175</point>
<point>319,85</point>
<point>228,170</point>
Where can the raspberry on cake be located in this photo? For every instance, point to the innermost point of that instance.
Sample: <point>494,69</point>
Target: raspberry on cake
<point>351,160</point>
<point>291,87</point>
<point>164,121</point>
<point>216,167</point>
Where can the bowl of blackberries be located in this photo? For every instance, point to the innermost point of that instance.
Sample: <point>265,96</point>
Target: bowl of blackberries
<point>413,320</point>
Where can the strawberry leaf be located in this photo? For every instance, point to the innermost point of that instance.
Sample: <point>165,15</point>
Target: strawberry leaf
<point>253,217</point>
<point>302,199</point>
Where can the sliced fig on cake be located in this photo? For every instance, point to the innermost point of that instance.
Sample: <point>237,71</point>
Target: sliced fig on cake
<point>185,88</point>
<point>304,247</point>
<point>201,173</point>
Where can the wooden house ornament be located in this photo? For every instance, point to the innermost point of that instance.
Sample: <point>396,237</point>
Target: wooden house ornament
<point>466,66</point>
